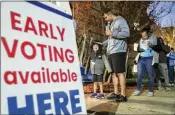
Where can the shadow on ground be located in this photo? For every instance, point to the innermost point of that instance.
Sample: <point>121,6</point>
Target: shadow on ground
<point>149,102</point>
<point>161,103</point>
<point>97,110</point>
<point>100,113</point>
<point>109,107</point>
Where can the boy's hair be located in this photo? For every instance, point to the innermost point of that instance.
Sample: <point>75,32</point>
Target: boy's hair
<point>99,45</point>
<point>146,29</point>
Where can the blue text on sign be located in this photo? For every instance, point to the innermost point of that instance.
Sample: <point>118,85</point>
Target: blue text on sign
<point>60,106</point>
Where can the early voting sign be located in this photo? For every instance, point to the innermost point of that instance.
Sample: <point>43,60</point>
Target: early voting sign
<point>40,68</point>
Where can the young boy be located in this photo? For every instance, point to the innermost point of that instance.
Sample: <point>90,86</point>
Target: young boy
<point>171,57</point>
<point>98,63</point>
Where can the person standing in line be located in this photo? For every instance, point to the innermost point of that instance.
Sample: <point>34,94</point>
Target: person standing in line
<point>145,61</point>
<point>171,57</point>
<point>162,65</point>
<point>98,63</point>
<point>117,34</point>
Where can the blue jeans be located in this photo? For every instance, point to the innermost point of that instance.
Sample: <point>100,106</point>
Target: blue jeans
<point>145,65</point>
<point>171,74</point>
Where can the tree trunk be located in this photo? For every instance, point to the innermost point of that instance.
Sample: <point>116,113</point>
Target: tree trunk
<point>85,55</point>
<point>109,78</point>
<point>82,51</point>
<point>104,76</point>
<point>87,65</point>
<point>126,64</point>
<point>88,60</point>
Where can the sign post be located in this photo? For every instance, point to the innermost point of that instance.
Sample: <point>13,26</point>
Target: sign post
<point>39,61</point>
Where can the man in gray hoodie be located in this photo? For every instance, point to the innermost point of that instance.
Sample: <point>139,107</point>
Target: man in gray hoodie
<point>117,34</point>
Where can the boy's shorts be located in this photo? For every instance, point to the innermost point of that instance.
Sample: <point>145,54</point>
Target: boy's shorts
<point>97,78</point>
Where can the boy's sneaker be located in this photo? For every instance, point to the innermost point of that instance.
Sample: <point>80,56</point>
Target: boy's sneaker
<point>93,95</point>
<point>172,85</point>
<point>136,93</point>
<point>150,94</point>
<point>113,96</point>
<point>100,96</point>
<point>122,99</point>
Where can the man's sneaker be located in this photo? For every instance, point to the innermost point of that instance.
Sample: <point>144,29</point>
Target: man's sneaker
<point>113,96</point>
<point>100,96</point>
<point>122,99</point>
<point>93,95</point>
<point>150,94</point>
<point>167,89</point>
<point>136,93</point>
<point>172,85</point>
<point>160,88</point>
<point>169,84</point>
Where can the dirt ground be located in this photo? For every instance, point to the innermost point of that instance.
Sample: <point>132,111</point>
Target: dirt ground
<point>162,103</point>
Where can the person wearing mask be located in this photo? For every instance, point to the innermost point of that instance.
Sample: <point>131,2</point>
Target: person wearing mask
<point>145,61</point>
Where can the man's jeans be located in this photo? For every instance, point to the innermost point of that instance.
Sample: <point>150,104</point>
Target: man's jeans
<point>171,74</point>
<point>145,64</point>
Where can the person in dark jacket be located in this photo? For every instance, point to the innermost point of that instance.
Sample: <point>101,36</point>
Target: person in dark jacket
<point>161,68</point>
<point>97,63</point>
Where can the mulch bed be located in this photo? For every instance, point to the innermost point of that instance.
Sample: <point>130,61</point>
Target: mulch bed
<point>107,87</point>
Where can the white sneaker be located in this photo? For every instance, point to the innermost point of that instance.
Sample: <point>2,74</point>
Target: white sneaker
<point>160,88</point>
<point>150,94</point>
<point>167,89</point>
<point>136,93</point>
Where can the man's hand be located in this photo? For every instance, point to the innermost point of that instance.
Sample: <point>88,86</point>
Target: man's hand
<point>108,33</point>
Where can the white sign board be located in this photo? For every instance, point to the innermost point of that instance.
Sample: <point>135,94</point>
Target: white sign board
<point>40,71</point>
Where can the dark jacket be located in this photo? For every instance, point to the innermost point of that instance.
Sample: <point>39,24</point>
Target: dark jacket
<point>98,63</point>
<point>157,47</point>
<point>163,54</point>
<point>162,49</point>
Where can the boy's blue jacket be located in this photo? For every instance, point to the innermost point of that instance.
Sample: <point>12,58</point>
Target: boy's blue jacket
<point>171,57</point>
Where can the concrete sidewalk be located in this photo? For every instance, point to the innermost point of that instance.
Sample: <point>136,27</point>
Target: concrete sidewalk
<point>162,103</point>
